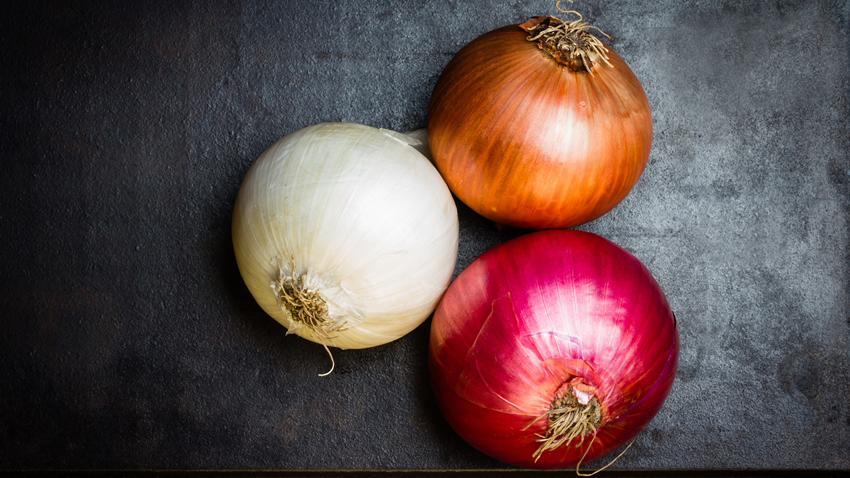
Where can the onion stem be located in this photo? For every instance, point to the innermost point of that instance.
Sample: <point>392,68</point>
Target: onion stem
<point>569,43</point>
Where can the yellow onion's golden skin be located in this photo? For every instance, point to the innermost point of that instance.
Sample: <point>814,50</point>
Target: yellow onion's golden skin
<point>526,141</point>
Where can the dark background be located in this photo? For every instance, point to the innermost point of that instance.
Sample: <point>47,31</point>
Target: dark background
<point>130,342</point>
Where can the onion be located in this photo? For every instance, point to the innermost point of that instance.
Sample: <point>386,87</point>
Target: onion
<point>345,234</point>
<point>552,348</point>
<point>539,125</point>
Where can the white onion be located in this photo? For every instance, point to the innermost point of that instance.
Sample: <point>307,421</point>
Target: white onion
<point>361,220</point>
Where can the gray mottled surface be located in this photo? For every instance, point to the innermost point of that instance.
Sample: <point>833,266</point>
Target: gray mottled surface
<point>130,341</point>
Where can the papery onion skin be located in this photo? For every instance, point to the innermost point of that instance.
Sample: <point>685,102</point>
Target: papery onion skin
<point>534,313</point>
<point>366,219</point>
<point>527,142</point>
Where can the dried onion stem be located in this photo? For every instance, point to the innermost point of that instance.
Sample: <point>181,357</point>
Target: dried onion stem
<point>570,43</point>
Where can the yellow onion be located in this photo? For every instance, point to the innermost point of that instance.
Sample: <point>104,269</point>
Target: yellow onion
<point>345,234</point>
<point>539,125</point>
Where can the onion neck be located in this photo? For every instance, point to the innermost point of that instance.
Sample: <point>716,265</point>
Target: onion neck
<point>574,414</point>
<point>569,43</point>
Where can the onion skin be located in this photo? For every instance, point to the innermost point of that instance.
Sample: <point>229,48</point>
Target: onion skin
<point>534,313</point>
<point>362,217</point>
<point>525,141</point>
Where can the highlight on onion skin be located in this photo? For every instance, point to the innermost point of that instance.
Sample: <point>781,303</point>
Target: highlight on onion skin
<point>526,140</point>
<point>546,317</point>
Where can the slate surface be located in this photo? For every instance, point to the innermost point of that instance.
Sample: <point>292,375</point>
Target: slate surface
<point>129,340</point>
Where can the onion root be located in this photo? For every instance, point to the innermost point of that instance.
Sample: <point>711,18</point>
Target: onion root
<point>304,306</point>
<point>569,419</point>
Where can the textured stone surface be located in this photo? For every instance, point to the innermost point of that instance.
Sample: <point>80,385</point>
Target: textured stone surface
<point>130,340</point>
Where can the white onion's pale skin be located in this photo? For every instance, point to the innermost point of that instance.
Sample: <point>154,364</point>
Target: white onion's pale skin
<point>370,224</point>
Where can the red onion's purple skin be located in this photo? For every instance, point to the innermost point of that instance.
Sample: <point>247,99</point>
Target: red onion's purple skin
<point>535,313</point>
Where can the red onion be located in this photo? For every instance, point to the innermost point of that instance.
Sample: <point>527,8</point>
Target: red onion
<point>552,334</point>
